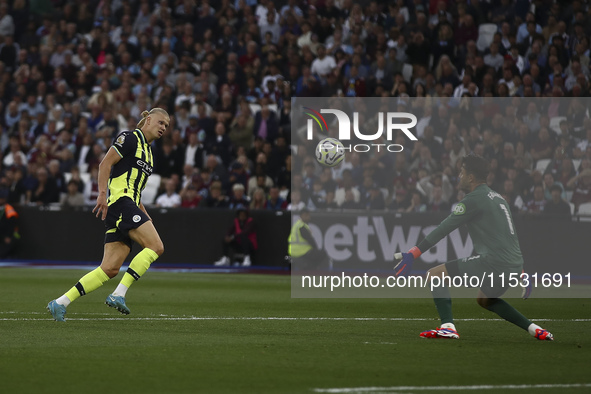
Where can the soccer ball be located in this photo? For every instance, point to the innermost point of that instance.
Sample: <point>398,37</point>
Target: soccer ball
<point>330,152</point>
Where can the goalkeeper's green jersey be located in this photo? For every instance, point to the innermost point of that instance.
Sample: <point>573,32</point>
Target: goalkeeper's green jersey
<point>490,225</point>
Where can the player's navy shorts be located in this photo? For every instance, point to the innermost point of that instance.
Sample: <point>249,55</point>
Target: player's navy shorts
<point>483,266</point>
<point>123,215</point>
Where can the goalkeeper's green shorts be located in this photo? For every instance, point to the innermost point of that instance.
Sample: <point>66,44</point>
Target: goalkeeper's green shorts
<point>494,279</point>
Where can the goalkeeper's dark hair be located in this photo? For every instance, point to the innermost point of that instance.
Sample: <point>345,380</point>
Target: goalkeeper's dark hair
<point>476,165</point>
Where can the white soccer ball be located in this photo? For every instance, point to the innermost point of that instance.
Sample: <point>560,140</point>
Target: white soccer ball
<point>330,152</point>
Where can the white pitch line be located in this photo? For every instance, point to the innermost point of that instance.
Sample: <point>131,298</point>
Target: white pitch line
<point>191,318</point>
<point>453,388</point>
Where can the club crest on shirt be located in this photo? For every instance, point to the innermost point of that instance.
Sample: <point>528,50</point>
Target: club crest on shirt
<point>460,209</point>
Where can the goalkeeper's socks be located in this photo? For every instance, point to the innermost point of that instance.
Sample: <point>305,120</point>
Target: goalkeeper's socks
<point>507,312</point>
<point>88,283</point>
<point>442,299</point>
<point>532,329</point>
<point>138,266</point>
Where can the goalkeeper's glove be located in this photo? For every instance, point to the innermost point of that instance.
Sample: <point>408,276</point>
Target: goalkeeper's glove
<point>406,260</point>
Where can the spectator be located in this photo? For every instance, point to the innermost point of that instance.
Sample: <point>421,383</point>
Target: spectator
<point>265,124</point>
<point>581,186</point>
<point>45,190</point>
<point>170,198</point>
<point>296,203</point>
<point>9,235</point>
<point>537,203</point>
<point>238,200</point>
<point>274,201</point>
<point>189,197</point>
<point>73,198</point>
<point>258,200</point>
<point>220,145</point>
<point>240,238</point>
<point>215,197</point>
<point>241,131</point>
<point>557,205</point>
<point>416,203</point>
<point>374,201</point>
<point>437,203</point>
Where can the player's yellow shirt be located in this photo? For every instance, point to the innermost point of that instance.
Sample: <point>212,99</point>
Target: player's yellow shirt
<point>129,176</point>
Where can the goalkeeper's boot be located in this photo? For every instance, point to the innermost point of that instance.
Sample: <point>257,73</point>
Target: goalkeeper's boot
<point>58,311</point>
<point>118,303</point>
<point>544,335</point>
<point>449,333</point>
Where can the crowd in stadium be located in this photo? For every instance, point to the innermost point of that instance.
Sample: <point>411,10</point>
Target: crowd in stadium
<point>73,74</point>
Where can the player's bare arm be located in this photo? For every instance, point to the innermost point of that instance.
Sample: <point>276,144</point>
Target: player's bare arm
<point>111,158</point>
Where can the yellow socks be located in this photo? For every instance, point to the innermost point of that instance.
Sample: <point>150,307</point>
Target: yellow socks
<point>88,283</point>
<point>138,266</point>
<point>96,278</point>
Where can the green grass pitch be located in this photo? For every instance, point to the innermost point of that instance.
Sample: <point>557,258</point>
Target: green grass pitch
<point>160,348</point>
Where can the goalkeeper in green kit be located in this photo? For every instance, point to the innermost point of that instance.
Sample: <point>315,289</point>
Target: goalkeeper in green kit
<point>490,225</point>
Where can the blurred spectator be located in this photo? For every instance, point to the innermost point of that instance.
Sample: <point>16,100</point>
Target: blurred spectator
<point>581,186</point>
<point>416,203</point>
<point>91,189</point>
<point>220,145</point>
<point>437,203</point>
<point>296,203</point>
<point>170,198</point>
<point>238,200</point>
<point>347,186</point>
<point>537,202</point>
<point>240,238</point>
<point>195,152</point>
<point>241,131</point>
<point>45,190</point>
<point>399,203</point>
<point>73,197</point>
<point>557,205</point>
<point>189,197</point>
<point>238,175</point>
<point>258,199</point>
<point>9,235</point>
<point>265,124</point>
<point>215,197</point>
<point>274,201</point>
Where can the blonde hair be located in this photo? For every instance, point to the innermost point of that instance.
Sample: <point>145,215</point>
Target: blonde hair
<point>145,114</point>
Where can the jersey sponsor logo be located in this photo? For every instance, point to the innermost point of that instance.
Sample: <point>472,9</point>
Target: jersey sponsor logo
<point>460,209</point>
<point>136,218</point>
<point>120,139</point>
<point>145,167</point>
